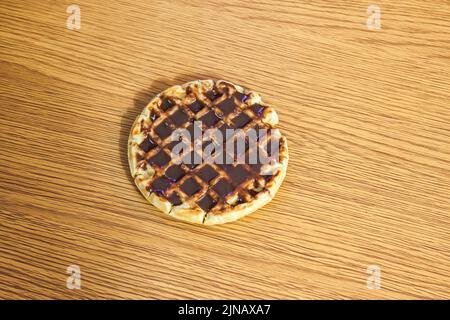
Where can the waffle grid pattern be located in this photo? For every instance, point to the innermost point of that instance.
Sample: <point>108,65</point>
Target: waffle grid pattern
<point>208,185</point>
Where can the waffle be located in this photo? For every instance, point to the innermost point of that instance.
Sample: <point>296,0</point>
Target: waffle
<point>206,192</point>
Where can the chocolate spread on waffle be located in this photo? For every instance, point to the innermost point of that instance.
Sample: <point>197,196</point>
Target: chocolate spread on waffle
<point>210,184</point>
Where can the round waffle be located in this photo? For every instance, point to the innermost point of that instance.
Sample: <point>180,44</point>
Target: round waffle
<point>207,192</point>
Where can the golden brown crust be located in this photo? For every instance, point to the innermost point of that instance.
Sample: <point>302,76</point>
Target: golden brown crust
<point>143,173</point>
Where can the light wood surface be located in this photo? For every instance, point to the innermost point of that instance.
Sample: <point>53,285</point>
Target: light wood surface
<point>366,113</point>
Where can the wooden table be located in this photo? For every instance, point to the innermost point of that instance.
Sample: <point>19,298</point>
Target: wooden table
<point>366,113</point>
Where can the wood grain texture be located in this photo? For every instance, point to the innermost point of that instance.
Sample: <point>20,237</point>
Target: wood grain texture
<point>366,114</point>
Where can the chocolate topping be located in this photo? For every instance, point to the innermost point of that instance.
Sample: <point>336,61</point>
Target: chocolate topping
<point>147,145</point>
<point>210,119</point>
<point>172,144</point>
<point>212,94</point>
<point>240,96</point>
<point>258,109</point>
<point>206,202</point>
<point>196,106</point>
<point>207,173</point>
<point>238,174</point>
<point>256,167</point>
<point>160,159</point>
<point>240,199</point>
<point>160,185</point>
<point>227,106</point>
<point>241,120</point>
<point>226,167</point>
<point>163,130</point>
<point>179,117</point>
<point>222,188</point>
<point>174,199</point>
<point>175,172</point>
<point>190,187</point>
<point>166,104</point>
